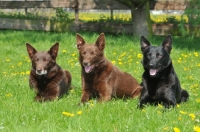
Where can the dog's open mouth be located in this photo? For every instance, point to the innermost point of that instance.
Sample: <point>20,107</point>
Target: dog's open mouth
<point>153,72</point>
<point>88,69</point>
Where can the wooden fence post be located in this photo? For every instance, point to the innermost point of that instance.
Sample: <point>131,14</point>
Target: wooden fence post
<point>76,11</point>
<point>25,9</point>
<point>111,14</point>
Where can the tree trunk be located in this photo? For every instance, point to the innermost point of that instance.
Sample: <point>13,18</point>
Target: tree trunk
<point>141,21</point>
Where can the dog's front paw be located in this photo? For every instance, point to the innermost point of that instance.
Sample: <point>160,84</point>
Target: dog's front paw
<point>38,98</point>
<point>140,105</point>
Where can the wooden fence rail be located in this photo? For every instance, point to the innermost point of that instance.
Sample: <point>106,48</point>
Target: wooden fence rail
<point>92,4</point>
<point>77,5</point>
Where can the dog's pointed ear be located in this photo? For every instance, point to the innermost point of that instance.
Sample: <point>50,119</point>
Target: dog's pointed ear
<point>167,43</point>
<point>144,43</point>
<point>31,50</point>
<point>54,51</point>
<point>100,42</point>
<point>80,41</point>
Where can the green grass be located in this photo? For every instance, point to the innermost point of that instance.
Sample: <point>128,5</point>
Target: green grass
<point>18,111</point>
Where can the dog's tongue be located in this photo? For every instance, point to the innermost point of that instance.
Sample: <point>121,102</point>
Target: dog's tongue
<point>88,69</point>
<point>152,72</point>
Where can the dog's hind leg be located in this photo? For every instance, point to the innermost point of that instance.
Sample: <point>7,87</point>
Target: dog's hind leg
<point>184,96</point>
<point>136,92</point>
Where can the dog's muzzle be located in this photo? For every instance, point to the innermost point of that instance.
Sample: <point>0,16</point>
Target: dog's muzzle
<point>40,71</point>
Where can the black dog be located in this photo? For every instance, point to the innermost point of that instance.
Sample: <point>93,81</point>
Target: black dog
<point>159,80</point>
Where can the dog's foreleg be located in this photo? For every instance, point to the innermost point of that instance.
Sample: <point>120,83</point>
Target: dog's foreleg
<point>105,94</point>
<point>104,98</point>
<point>144,98</point>
<point>85,96</point>
<point>33,83</point>
<point>169,98</point>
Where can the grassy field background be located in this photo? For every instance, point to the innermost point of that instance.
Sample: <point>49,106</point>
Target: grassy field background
<point>18,111</point>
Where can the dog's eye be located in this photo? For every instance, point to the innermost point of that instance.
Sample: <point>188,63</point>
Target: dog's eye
<point>36,59</point>
<point>92,53</point>
<point>159,55</point>
<point>149,55</point>
<point>83,53</point>
<point>45,60</point>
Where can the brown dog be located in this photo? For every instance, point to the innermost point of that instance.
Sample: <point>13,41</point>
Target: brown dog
<point>99,77</point>
<point>46,77</point>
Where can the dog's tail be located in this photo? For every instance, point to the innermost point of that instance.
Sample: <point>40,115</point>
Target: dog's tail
<point>184,96</point>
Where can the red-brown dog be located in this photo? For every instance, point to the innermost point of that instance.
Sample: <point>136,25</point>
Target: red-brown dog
<point>46,76</point>
<point>100,78</point>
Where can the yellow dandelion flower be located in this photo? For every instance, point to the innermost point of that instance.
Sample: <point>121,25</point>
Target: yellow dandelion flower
<point>91,105</point>
<point>176,129</point>
<point>198,100</point>
<point>166,128</point>
<point>192,116</point>
<point>27,72</point>
<point>160,106</point>
<point>143,110</point>
<point>73,55</point>
<point>120,63</point>
<point>113,62</point>
<point>182,112</point>
<point>64,51</point>
<point>7,60</point>
<point>9,95</point>
<point>196,129</point>
<point>22,73</point>
<point>71,91</point>
<point>159,112</point>
<point>178,105</point>
<point>119,59</point>
<point>196,54</point>
<point>79,112</point>
<point>139,56</point>
<point>190,77</point>
<point>19,64</point>
<point>68,114</point>
<point>179,61</point>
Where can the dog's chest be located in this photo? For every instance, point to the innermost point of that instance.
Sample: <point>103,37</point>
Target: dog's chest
<point>43,83</point>
<point>155,88</point>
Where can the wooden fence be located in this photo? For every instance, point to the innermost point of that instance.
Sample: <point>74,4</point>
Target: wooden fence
<point>82,5</point>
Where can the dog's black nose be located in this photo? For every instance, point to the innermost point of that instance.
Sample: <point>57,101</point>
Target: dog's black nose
<point>39,70</point>
<point>151,65</point>
<point>85,63</point>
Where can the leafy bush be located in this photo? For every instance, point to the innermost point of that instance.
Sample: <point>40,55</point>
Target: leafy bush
<point>193,13</point>
<point>61,14</point>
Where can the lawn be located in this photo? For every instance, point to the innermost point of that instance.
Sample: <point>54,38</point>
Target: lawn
<point>20,113</point>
